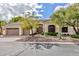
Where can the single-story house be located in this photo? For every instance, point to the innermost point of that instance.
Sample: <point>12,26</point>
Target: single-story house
<point>44,26</point>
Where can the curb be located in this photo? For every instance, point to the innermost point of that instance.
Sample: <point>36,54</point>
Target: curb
<point>51,42</point>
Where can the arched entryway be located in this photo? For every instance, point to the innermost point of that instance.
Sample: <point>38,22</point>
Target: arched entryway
<point>40,29</point>
<point>51,28</point>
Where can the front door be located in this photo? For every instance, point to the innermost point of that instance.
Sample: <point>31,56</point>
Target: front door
<point>51,28</point>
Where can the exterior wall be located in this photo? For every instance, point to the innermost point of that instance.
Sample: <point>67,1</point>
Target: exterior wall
<point>25,32</point>
<point>45,27</point>
<point>70,29</point>
<point>34,31</point>
<point>4,31</point>
<point>20,30</point>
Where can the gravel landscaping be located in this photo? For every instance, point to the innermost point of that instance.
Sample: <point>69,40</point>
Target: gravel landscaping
<point>46,39</point>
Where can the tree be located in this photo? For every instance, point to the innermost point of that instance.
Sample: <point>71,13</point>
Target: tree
<point>30,21</point>
<point>29,24</point>
<point>16,19</point>
<point>72,17</point>
<point>26,23</point>
<point>67,16</point>
<point>58,19</point>
<point>2,23</point>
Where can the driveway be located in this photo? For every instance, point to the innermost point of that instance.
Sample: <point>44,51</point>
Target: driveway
<point>9,38</point>
<point>10,48</point>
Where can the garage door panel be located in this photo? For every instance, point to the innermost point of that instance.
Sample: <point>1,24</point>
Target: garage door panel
<point>12,31</point>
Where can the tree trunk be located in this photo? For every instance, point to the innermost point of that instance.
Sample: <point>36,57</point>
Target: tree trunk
<point>59,34</point>
<point>32,33</point>
<point>77,26</point>
<point>1,31</point>
<point>76,31</point>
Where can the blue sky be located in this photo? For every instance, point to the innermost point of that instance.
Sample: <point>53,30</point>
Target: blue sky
<point>48,9</point>
<point>44,10</point>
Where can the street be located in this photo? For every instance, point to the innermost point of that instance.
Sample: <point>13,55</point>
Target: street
<point>27,49</point>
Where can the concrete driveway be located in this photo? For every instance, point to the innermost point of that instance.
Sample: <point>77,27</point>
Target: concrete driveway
<point>9,38</point>
<point>10,48</point>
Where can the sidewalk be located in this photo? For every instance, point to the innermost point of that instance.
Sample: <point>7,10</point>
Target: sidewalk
<point>9,38</point>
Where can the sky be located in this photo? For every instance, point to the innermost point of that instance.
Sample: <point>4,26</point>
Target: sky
<point>42,10</point>
<point>50,8</point>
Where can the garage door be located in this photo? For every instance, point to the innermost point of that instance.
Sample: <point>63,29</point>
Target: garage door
<point>12,31</point>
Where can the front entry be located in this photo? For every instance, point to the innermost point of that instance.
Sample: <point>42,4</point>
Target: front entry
<point>40,29</point>
<point>51,28</point>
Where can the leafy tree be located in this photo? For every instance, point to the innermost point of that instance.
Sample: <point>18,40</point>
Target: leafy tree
<point>67,16</point>
<point>2,23</point>
<point>29,24</point>
<point>26,23</point>
<point>16,19</point>
<point>58,19</point>
<point>72,16</point>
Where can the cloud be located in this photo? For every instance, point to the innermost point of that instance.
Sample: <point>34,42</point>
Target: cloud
<point>39,6</point>
<point>58,7</point>
<point>36,6</point>
<point>40,15</point>
<point>8,10</point>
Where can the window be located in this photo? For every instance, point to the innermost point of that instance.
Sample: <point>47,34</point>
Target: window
<point>64,29</point>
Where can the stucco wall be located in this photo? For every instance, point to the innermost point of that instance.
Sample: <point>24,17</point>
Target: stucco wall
<point>70,29</point>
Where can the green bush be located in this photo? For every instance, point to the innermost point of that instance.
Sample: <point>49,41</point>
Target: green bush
<point>75,36</point>
<point>65,34</point>
<point>42,33</point>
<point>50,33</point>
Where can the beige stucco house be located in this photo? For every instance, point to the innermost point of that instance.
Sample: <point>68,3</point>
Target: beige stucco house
<point>45,26</point>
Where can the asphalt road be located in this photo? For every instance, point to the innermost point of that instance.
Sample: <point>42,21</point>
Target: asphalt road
<point>26,49</point>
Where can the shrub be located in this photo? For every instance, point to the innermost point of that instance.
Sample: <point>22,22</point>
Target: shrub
<point>42,33</point>
<point>75,36</point>
<point>65,34</point>
<point>50,33</point>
